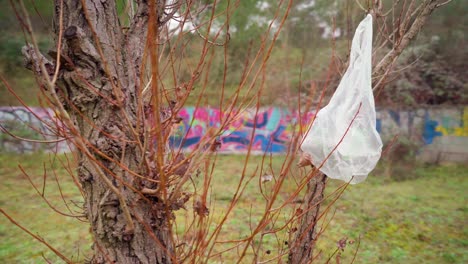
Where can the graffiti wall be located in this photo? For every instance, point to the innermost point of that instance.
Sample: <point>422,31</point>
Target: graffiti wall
<point>266,130</point>
<point>423,125</point>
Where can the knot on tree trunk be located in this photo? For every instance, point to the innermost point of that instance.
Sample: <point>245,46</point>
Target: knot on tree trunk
<point>34,59</point>
<point>81,48</point>
<point>71,33</point>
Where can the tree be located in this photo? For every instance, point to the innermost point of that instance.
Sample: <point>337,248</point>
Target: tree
<point>95,82</point>
<point>109,86</point>
<point>401,33</point>
<point>97,91</point>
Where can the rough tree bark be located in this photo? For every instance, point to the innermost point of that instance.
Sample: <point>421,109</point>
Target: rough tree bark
<point>98,85</point>
<point>306,235</point>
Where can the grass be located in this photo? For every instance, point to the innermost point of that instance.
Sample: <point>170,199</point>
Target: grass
<point>415,221</point>
<point>19,200</point>
<point>421,220</point>
<point>25,87</point>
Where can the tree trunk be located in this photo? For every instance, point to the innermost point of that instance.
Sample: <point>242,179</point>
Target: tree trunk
<point>98,86</point>
<point>306,234</point>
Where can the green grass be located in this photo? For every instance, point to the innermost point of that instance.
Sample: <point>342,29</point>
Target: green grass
<point>20,200</point>
<point>421,220</point>
<point>415,221</point>
<point>24,86</point>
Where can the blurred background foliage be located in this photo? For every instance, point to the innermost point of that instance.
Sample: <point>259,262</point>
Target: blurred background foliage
<point>431,72</point>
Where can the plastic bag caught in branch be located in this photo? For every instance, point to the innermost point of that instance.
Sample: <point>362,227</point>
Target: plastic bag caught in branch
<point>343,141</point>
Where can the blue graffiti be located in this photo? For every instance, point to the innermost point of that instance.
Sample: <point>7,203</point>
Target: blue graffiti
<point>429,132</point>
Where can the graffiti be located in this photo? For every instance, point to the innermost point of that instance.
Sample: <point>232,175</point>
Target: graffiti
<point>266,130</point>
<point>452,126</point>
<point>269,129</point>
<point>423,125</point>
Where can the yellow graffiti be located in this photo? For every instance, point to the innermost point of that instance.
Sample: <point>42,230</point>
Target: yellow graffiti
<point>461,131</point>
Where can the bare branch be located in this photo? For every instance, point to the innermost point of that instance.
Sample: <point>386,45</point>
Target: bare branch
<point>383,67</point>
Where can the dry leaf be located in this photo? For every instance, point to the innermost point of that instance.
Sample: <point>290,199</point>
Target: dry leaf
<point>267,178</point>
<point>305,160</point>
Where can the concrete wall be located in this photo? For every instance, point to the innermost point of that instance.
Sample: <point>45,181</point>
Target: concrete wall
<point>446,149</point>
<point>30,123</point>
<point>443,132</point>
<point>423,125</point>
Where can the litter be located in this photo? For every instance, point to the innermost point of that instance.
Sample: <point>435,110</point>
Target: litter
<point>343,141</point>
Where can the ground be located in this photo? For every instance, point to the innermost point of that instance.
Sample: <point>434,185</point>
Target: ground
<point>418,220</point>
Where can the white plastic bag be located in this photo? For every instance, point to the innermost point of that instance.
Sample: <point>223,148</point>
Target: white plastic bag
<point>343,141</point>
